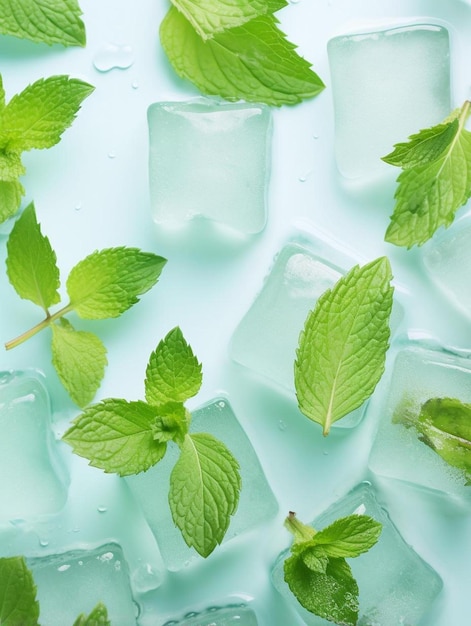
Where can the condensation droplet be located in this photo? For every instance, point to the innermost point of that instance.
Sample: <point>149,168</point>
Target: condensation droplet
<point>78,206</point>
<point>135,85</point>
<point>43,543</point>
<point>102,509</point>
<point>304,177</point>
<point>221,404</point>
<point>315,136</point>
<point>294,1</point>
<point>63,568</point>
<point>112,56</point>
<point>281,425</point>
<point>112,155</point>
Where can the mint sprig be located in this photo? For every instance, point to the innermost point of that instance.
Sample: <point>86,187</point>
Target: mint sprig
<point>43,21</point>
<point>317,572</point>
<point>98,617</point>
<point>342,349</point>
<point>18,603</point>
<point>435,180</point>
<point>237,53</point>
<point>130,437</point>
<point>105,284</point>
<point>33,119</point>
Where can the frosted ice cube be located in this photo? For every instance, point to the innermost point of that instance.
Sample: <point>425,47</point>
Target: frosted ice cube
<point>419,374</point>
<point>74,582</point>
<point>234,615</point>
<point>386,85</point>
<point>447,260</point>
<point>210,159</point>
<point>396,586</point>
<point>33,480</point>
<point>257,502</point>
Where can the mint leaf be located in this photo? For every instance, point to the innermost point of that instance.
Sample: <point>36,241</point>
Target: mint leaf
<point>31,262</point>
<point>342,349</point>
<point>18,604</point>
<point>204,491</point>
<point>11,166</point>
<point>2,95</point>
<point>116,436</point>
<point>209,17</point>
<point>332,595</point>
<point>171,422</point>
<point>79,358</point>
<point>10,198</point>
<point>349,536</point>
<point>254,61</point>
<point>107,282</point>
<point>429,193</point>
<point>48,21</point>
<point>37,117</point>
<point>98,617</point>
<point>173,373</point>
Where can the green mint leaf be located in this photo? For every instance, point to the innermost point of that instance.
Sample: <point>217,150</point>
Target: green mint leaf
<point>116,436</point>
<point>107,282</point>
<point>79,358</point>
<point>314,558</point>
<point>332,595</point>
<point>18,604</point>
<point>11,166</point>
<point>31,262</point>
<point>37,117</point>
<point>349,536</point>
<point>2,95</point>
<point>47,21</point>
<point>429,194</point>
<point>209,17</point>
<point>204,491</point>
<point>11,192</point>
<point>98,617</point>
<point>171,422</point>
<point>254,61</point>
<point>173,373</point>
<point>342,349</point>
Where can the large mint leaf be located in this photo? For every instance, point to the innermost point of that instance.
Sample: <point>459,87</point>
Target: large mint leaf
<point>31,262</point>
<point>48,21</point>
<point>342,349</point>
<point>204,491</point>
<point>37,117</point>
<point>116,436</point>
<point>18,604</point>
<point>254,62</point>
<point>11,192</point>
<point>107,282</point>
<point>79,358</point>
<point>173,373</point>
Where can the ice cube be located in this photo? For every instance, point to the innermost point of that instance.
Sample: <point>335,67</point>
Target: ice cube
<point>257,502</point>
<point>210,159</point>
<point>34,481</point>
<point>74,582</point>
<point>233,615</point>
<point>420,374</point>
<point>386,86</point>
<point>447,260</point>
<point>396,587</point>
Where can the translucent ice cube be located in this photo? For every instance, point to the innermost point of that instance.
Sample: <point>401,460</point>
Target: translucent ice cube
<point>210,159</point>
<point>419,374</point>
<point>396,585</point>
<point>386,85</point>
<point>74,582</point>
<point>257,502</point>
<point>447,259</point>
<point>33,481</point>
<point>234,615</point>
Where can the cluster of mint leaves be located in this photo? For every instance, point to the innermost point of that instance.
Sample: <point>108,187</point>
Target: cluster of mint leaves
<point>43,21</point>
<point>103,285</point>
<point>318,574</point>
<point>18,603</point>
<point>130,437</point>
<point>444,424</point>
<point>234,49</point>
<point>33,119</point>
<point>435,180</point>
<point>342,348</point>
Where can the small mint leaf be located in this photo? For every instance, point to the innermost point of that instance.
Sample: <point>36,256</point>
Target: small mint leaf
<point>173,373</point>
<point>11,192</point>
<point>171,422</point>
<point>11,167</point>
<point>98,617</point>
<point>349,536</point>
<point>116,436</point>
<point>18,603</point>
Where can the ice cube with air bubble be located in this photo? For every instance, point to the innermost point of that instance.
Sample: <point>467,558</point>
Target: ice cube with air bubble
<point>386,85</point>
<point>74,582</point>
<point>233,615</point>
<point>212,160</point>
<point>396,586</point>
<point>257,504</point>
<point>34,481</point>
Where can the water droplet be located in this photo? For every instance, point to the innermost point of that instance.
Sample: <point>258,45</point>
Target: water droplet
<point>43,543</point>
<point>145,578</point>
<point>80,562</point>
<point>107,556</point>
<point>294,1</point>
<point>325,453</point>
<point>63,568</point>
<point>281,425</point>
<point>102,509</point>
<point>315,136</point>
<point>304,177</point>
<point>78,206</point>
<point>135,85</point>
<point>221,404</point>
<point>112,155</point>
<point>112,56</point>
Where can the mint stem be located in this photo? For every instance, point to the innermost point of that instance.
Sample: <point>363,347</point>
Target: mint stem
<point>49,319</point>
<point>300,531</point>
